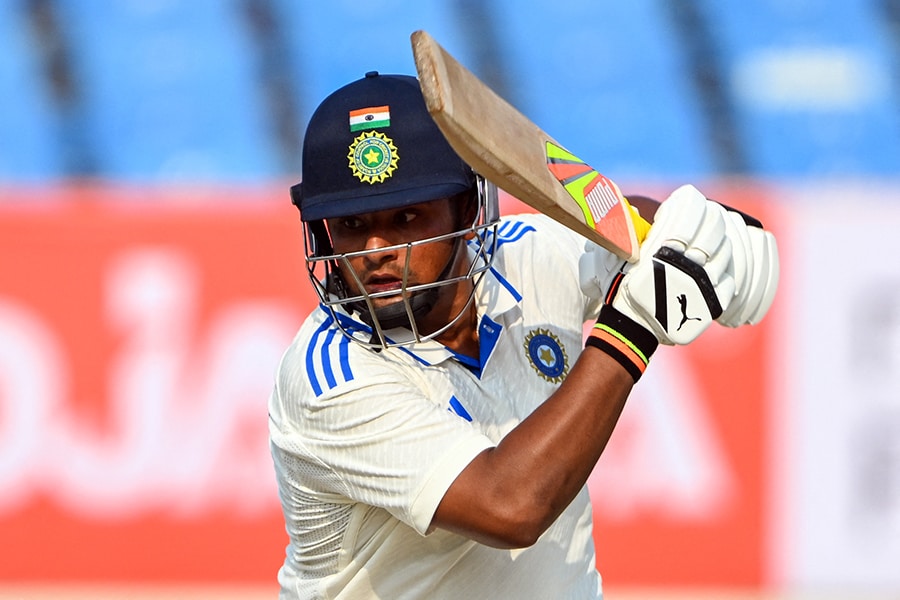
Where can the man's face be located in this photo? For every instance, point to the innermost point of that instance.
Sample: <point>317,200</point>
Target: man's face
<point>383,271</point>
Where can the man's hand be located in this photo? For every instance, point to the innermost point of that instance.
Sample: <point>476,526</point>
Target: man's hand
<point>682,281</point>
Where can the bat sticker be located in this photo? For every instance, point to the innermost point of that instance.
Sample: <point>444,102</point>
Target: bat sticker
<point>595,194</point>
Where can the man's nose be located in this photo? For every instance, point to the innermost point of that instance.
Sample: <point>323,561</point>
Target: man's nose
<point>381,247</point>
<point>376,241</point>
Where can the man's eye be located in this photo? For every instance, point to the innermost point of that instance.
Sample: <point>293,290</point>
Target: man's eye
<point>406,216</point>
<point>351,223</point>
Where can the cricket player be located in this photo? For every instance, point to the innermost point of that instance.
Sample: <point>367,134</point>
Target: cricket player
<point>436,418</point>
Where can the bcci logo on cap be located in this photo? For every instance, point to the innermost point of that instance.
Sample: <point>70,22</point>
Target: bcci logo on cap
<point>373,157</point>
<point>547,355</point>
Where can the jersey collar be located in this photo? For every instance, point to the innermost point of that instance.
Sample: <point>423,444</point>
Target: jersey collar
<point>494,297</point>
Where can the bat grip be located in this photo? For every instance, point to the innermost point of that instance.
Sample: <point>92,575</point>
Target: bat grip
<point>641,225</point>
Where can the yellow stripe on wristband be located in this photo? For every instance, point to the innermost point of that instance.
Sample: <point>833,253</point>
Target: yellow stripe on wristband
<point>622,345</point>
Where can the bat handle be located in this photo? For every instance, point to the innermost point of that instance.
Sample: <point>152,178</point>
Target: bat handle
<point>641,225</point>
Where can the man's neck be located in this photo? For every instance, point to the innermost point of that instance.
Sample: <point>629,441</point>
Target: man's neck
<point>462,337</point>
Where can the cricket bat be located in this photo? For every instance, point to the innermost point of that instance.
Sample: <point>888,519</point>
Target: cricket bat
<point>513,153</point>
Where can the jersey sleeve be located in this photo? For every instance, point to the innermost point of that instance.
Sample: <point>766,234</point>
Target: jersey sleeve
<point>378,439</point>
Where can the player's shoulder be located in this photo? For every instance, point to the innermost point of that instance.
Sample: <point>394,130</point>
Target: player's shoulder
<point>528,232</point>
<point>536,223</point>
<point>322,358</point>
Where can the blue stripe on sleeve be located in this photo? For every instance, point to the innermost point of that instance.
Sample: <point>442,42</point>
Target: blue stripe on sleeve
<point>310,358</point>
<point>345,358</point>
<point>512,231</point>
<point>326,358</point>
<point>508,231</point>
<point>319,358</point>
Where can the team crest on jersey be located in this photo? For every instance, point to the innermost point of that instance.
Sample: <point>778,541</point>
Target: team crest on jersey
<point>373,157</point>
<point>547,355</point>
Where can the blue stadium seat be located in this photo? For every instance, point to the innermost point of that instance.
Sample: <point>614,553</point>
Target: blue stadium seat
<point>334,42</point>
<point>811,83</point>
<point>170,90</point>
<point>607,79</point>
<point>29,143</point>
<point>576,70</point>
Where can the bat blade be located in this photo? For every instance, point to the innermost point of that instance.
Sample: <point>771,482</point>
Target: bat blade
<point>512,152</point>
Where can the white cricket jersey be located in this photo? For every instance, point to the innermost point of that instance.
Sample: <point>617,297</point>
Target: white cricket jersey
<point>366,443</point>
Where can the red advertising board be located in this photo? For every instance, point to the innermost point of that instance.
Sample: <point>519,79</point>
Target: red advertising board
<point>139,336</point>
<point>139,333</point>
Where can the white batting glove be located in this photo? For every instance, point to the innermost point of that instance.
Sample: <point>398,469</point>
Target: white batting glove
<point>755,268</point>
<point>597,268</point>
<point>678,286</point>
<point>681,282</point>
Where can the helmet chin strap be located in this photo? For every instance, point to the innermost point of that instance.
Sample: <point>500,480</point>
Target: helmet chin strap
<point>395,315</point>
<point>420,303</point>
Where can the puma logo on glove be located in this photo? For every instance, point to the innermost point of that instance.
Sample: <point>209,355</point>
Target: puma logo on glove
<point>682,300</point>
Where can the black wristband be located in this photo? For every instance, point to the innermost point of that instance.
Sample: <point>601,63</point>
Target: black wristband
<point>629,343</point>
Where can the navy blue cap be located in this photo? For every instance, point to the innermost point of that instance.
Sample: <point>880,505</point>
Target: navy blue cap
<point>371,145</point>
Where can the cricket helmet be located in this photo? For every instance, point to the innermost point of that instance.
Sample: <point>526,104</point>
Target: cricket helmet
<point>372,146</point>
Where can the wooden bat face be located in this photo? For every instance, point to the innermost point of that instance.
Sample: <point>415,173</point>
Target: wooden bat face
<point>516,155</point>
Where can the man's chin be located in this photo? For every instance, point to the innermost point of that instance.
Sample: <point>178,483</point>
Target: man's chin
<point>388,302</point>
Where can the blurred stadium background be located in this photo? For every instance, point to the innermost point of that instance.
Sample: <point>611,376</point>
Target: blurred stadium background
<point>150,276</point>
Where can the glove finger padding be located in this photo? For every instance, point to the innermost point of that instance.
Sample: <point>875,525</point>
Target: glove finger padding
<point>683,213</point>
<point>717,270</point>
<point>709,237</point>
<point>753,300</point>
<point>755,267</point>
<point>742,261</point>
<point>768,279</point>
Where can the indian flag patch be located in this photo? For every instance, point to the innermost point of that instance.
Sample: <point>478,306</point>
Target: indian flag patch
<point>370,118</point>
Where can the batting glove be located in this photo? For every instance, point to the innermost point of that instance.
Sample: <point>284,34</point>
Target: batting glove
<point>678,286</point>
